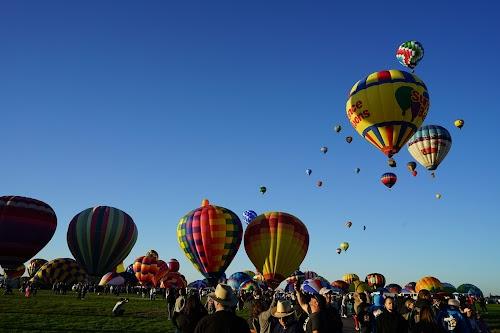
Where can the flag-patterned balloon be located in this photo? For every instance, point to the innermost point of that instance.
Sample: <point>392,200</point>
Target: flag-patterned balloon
<point>145,269</point>
<point>429,283</point>
<point>430,145</point>
<point>34,265</point>
<point>26,226</point>
<point>14,273</point>
<point>410,53</point>
<point>389,179</point>
<point>350,278</point>
<point>210,236</point>
<point>100,238</point>
<point>60,270</point>
<point>310,275</point>
<point>112,279</point>
<point>375,280</point>
<point>276,243</point>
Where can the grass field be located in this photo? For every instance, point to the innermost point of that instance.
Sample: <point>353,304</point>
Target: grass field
<point>57,313</point>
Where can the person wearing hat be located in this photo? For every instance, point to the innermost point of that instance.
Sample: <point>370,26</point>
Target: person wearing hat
<point>223,320</point>
<point>331,309</point>
<point>451,319</point>
<point>314,305</point>
<point>285,314</point>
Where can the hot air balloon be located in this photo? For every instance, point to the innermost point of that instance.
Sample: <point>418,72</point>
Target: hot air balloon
<point>340,284</point>
<point>145,270</point>
<point>410,53</point>
<point>173,265</point>
<point>430,145</point>
<point>112,279</point>
<point>392,163</point>
<point>26,226</point>
<point>310,275</point>
<point>411,166</point>
<point>100,238</point>
<point>120,268</point>
<point>14,273</point>
<point>389,179</point>
<point>308,172</point>
<point>358,287</point>
<point>236,279</point>
<point>324,150</point>
<point>295,276</point>
<point>34,265</point>
<point>438,196</point>
<point>348,224</point>
<point>350,278</point>
<point>348,139</point>
<point>459,123</point>
<point>410,286</point>
<point>429,283</point>
<point>60,270</point>
<point>173,280</point>
<point>312,286</point>
<point>364,227</point>
<point>339,250</point>
<point>394,288</point>
<point>375,280</point>
<point>448,287</point>
<point>163,269</point>
<point>469,289</point>
<point>248,286</point>
<point>357,170</point>
<point>198,284</point>
<point>387,107</point>
<point>249,215</point>
<point>249,273</point>
<point>276,243</point>
<point>319,183</point>
<point>338,128</point>
<point>263,189</point>
<point>344,246</point>
<point>152,253</point>
<point>210,236</point>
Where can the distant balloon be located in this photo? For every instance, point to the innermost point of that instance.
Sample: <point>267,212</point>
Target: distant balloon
<point>459,123</point>
<point>430,145</point>
<point>338,128</point>
<point>411,166</point>
<point>344,246</point>
<point>324,150</point>
<point>236,279</point>
<point>308,172</point>
<point>389,179</point>
<point>248,216</point>
<point>410,53</point>
<point>394,288</point>
<point>375,280</point>
<point>26,226</point>
<point>319,183</point>
<point>152,253</point>
<point>339,250</point>
<point>173,265</point>
<point>348,224</point>
<point>357,170</point>
<point>348,139</point>
<point>263,189</point>
<point>173,280</point>
<point>364,227</point>
<point>438,196</point>
<point>392,163</point>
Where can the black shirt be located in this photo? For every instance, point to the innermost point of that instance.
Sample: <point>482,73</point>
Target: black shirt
<point>222,322</point>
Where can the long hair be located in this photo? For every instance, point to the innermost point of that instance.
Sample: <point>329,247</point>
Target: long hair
<point>193,306</point>
<point>426,315</point>
<point>257,308</point>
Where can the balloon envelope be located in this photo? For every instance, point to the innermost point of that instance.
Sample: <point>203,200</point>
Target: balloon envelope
<point>276,243</point>
<point>430,145</point>
<point>210,236</point>
<point>386,108</point>
<point>60,270</point>
<point>375,280</point>
<point>26,226</point>
<point>344,246</point>
<point>100,238</point>
<point>410,53</point>
<point>429,283</point>
<point>173,265</point>
<point>459,123</point>
<point>14,273</point>
<point>249,215</point>
<point>112,279</point>
<point>34,265</point>
<point>388,179</point>
<point>350,278</point>
<point>236,279</point>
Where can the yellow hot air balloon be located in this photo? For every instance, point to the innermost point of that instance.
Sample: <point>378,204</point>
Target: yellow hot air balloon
<point>459,123</point>
<point>120,268</point>
<point>344,246</point>
<point>276,243</point>
<point>387,108</point>
<point>350,278</point>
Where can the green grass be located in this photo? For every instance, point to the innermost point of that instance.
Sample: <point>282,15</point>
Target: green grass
<point>46,312</point>
<point>493,317</point>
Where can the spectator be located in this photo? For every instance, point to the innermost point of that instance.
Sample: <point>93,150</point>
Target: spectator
<point>187,319</point>
<point>390,321</point>
<point>118,309</point>
<point>286,319</point>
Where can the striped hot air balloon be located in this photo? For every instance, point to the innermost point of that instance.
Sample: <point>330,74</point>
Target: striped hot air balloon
<point>430,145</point>
<point>389,179</point>
<point>112,279</point>
<point>146,269</point>
<point>276,244</point>
<point>210,236</point>
<point>100,238</point>
<point>34,265</point>
<point>26,226</point>
<point>375,280</point>
<point>410,53</point>
<point>429,283</point>
<point>60,270</point>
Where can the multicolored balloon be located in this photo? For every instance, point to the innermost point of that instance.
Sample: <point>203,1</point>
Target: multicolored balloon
<point>375,280</point>
<point>410,286</point>
<point>276,243</point>
<point>410,53</point>
<point>324,150</point>
<point>429,283</point>
<point>389,179</point>
<point>459,123</point>
<point>152,253</point>
<point>340,284</point>
<point>34,265</point>
<point>392,162</point>
<point>248,286</point>
<point>411,166</point>
<point>310,275</point>
<point>173,280</point>
<point>350,278</point>
<point>14,273</point>
<point>236,279</point>
<point>430,145</point>
<point>198,284</point>
<point>359,287</point>
<point>163,269</point>
<point>249,215</point>
<point>386,108</point>
<point>313,286</point>
<point>470,289</point>
<point>210,236</point>
<point>26,226</point>
<point>145,270</point>
<point>60,270</point>
<point>344,246</point>
<point>112,279</point>
<point>100,238</point>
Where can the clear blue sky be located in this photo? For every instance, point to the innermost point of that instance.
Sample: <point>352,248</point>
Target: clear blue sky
<point>151,106</point>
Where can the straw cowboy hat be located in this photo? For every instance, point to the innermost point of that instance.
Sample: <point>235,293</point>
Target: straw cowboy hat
<point>224,295</point>
<point>282,309</point>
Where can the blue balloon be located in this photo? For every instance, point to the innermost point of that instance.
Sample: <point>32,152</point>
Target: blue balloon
<point>308,172</point>
<point>249,215</point>
<point>236,279</point>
